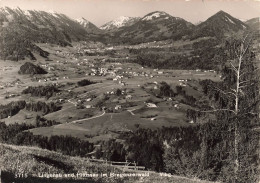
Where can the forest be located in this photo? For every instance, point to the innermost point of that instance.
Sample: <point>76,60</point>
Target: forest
<point>41,91</point>
<point>18,134</point>
<point>13,108</point>
<point>204,54</point>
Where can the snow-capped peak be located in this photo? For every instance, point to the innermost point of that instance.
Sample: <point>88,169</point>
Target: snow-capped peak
<point>53,13</point>
<point>82,21</point>
<point>27,13</point>
<point>153,15</point>
<point>119,22</point>
<point>4,10</point>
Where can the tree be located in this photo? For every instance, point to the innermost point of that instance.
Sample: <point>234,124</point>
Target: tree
<point>237,96</point>
<point>243,70</point>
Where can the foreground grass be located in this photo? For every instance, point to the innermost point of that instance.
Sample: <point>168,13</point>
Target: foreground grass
<point>23,160</point>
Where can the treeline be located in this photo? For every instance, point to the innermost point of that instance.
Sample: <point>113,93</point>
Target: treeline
<point>14,107</point>
<point>188,99</point>
<point>11,109</point>
<point>41,91</point>
<point>147,147</point>
<point>203,151</point>
<point>43,107</point>
<point>42,122</point>
<point>14,134</point>
<point>203,55</point>
<point>84,82</point>
<point>165,90</point>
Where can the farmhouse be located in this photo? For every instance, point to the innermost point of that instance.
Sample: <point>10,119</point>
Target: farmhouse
<point>89,99</point>
<point>151,105</point>
<point>88,106</point>
<point>117,107</point>
<point>128,97</point>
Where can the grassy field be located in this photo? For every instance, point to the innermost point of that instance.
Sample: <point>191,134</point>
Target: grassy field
<point>31,161</point>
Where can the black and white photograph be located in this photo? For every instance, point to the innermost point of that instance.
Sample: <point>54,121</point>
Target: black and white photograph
<point>129,91</point>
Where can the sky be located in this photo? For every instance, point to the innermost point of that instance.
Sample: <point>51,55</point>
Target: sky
<point>100,12</point>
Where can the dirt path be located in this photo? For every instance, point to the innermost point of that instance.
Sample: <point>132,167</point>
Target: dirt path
<point>86,119</point>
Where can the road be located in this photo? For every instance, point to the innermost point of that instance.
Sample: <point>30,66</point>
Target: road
<point>131,111</point>
<point>86,119</point>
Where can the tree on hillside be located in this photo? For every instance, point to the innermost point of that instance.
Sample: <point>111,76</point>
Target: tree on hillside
<point>237,96</point>
<point>243,88</point>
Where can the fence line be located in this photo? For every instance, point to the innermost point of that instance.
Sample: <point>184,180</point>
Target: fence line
<point>119,164</point>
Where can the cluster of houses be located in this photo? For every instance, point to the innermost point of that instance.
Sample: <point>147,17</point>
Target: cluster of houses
<point>199,70</point>
<point>138,74</point>
<point>10,84</point>
<point>6,68</point>
<point>183,82</point>
<point>49,68</point>
<point>11,95</point>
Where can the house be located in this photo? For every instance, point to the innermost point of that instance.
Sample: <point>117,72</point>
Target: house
<point>88,106</point>
<point>128,97</point>
<point>151,105</point>
<point>89,99</point>
<point>117,107</point>
<point>177,106</point>
<point>169,99</point>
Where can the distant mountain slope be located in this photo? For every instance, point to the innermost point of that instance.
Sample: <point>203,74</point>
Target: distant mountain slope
<point>155,26</point>
<point>122,21</point>
<point>218,26</point>
<point>254,23</point>
<point>21,29</point>
<point>90,27</point>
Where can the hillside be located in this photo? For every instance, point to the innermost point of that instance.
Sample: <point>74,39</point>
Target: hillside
<point>20,31</point>
<point>32,160</point>
<point>218,26</point>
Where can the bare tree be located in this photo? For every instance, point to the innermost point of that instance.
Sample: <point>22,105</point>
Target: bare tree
<point>241,79</point>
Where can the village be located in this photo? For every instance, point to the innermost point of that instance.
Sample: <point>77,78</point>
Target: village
<point>114,88</point>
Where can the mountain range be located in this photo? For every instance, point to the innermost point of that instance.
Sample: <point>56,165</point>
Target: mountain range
<point>122,21</point>
<point>20,30</point>
<point>154,26</point>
